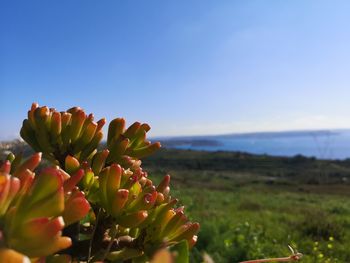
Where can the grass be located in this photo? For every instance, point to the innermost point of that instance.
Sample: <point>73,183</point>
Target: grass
<point>254,222</point>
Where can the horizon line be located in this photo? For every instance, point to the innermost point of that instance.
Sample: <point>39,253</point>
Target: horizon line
<point>225,134</point>
<point>255,132</point>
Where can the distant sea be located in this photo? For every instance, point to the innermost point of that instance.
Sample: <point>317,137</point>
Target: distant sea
<point>322,144</point>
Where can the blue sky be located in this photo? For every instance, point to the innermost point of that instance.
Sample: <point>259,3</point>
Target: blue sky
<point>185,67</point>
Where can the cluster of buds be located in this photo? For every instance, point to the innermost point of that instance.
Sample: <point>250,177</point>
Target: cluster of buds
<point>73,132</point>
<point>57,134</point>
<point>128,146</point>
<point>167,225</point>
<point>144,215</point>
<point>34,209</point>
<point>103,195</point>
<point>163,226</point>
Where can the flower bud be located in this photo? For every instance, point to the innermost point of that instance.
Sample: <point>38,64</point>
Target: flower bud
<point>133,219</point>
<point>71,164</point>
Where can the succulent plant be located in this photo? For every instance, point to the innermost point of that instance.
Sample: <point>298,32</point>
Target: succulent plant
<point>90,204</point>
<point>36,208</point>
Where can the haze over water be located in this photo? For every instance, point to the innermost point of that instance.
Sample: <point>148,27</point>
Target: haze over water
<point>319,144</point>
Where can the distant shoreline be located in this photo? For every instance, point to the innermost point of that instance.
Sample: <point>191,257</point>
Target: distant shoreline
<point>321,144</point>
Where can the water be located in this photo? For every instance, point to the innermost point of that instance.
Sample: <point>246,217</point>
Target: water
<point>319,144</point>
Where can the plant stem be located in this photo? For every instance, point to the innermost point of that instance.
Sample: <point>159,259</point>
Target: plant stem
<point>113,233</point>
<point>93,234</point>
<point>295,257</point>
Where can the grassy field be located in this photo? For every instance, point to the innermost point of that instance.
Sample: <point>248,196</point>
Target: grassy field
<point>260,221</point>
<point>254,213</point>
<point>254,206</point>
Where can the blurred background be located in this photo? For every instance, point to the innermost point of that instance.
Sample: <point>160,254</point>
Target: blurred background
<point>250,100</point>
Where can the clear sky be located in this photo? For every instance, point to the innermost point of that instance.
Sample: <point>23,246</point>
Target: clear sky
<point>185,67</point>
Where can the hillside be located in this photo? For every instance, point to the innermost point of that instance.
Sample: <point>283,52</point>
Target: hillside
<point>227,165</point>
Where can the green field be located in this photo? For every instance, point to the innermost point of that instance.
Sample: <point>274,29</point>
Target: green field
<point>260,221</point>
<point>254,206</point>
<point>247,213</point>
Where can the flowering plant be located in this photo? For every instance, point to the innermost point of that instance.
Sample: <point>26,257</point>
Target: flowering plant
<point>90,204</point>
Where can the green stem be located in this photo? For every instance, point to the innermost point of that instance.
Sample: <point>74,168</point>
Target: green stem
<point>295,257</point>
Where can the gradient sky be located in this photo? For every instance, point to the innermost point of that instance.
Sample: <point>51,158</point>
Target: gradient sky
<point>185,67</point>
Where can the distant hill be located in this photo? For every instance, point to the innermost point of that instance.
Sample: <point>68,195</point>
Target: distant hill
<point>268,134</point>
<point>282,134</point>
